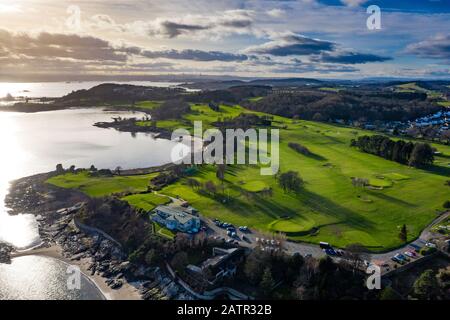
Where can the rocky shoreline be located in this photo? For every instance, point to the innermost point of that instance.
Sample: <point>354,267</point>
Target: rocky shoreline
<point>129,125</point>
<point>55,210</point>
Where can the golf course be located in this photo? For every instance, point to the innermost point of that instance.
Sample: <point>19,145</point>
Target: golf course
<point>327,208</point>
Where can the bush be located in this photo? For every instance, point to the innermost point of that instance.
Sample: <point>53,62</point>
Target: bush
<point>426,251</point>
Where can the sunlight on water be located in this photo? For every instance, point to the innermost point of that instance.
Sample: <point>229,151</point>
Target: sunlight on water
<point>15,281</point>
<point>20,230</point>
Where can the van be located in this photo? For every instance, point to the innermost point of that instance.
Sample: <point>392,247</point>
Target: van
<point>324,245</point>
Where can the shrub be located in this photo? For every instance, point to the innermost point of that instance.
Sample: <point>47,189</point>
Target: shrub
<point>426,251</point>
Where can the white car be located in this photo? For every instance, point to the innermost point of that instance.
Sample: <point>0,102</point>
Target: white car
<point>257,239</point>
<point>430,245</point>
<point>409,254</point>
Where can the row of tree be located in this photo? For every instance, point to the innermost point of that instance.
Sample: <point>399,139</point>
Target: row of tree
<point>412,154</point>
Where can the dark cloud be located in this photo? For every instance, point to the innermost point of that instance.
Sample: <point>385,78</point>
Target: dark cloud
<point>350,58</point>
<point>196,55</point>
<point>434,48</point>
<point>293,45</point>
<point>60,45</point>
<point>174,29</point>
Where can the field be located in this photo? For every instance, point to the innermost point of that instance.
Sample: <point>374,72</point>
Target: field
<point>146,201</point>
<point>102,186</point>
<point>328,208</point>
<point>413,87</point>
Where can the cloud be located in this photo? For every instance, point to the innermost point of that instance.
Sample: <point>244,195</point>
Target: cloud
<point>59,45</point>
<point>292,45</point>
<point>196,55</point>
<point>353,3</point>
<point>350,58</point>
<point>434,48</point>
<point>276,13</point>
<point>174,29</point>
<point>217,25</point>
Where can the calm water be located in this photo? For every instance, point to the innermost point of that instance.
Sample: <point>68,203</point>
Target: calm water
<point>34,143</point>
<point>59,89</point>
<point>41,278</point>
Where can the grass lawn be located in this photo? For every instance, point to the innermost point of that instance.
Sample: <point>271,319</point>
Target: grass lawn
<point>328,206</point>
<point>444,103</point>
<point>413,87</point>
<point>102,186</point>
<point>150,105</point>
<point>146,201</point>
<point>330,89</point>
<point>199,112</point>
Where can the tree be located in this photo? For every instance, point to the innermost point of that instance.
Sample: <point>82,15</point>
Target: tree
<point>210,187</point>
<point>422,154</point>
<point>151,258</point>
<point>355,254</point>
<point>118,170</point>
<point>318,117</point>
<point>267,282</point>
<point>179,261</point>
<point>290,181</point>
<point>389,294</point>
<point>193,183</point>
<point>220,174</point>
<point>59,168</point>
<point>446,204</point>
<point>426,286</point>
<point>403,235</point>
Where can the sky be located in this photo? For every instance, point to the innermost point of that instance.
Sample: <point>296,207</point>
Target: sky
<point>43,39</point>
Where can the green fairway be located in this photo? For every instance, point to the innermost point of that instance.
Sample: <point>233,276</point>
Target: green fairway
<point>146,201</point>
<point>102,186</point>
<point>328,207</point>
<point>254,186</point>
<point>199,112</point>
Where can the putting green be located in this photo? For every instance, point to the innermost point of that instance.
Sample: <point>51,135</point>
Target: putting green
<point>290,226</point>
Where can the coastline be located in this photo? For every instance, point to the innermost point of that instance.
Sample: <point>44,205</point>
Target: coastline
<point>126,292</point>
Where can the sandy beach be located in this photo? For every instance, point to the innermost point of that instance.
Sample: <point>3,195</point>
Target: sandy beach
<point>126,292</point>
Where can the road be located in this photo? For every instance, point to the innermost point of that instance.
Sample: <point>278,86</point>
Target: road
<point>314,250</point>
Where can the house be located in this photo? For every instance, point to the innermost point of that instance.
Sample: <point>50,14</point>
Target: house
<point>222,264</point>
<point>176,218</point>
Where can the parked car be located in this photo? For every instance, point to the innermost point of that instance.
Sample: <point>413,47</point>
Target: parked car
<point>409,254</point>
<point>395,259</point>
<point>415,247</point>
<point>243,228</point>
<point>308,255</point>
<point>402,257</point>
<point>430,245</point>
<point>330,251</point>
